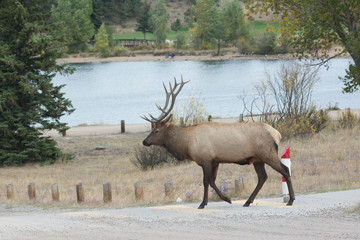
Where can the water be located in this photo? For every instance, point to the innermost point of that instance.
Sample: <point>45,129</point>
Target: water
<point>105,93</point>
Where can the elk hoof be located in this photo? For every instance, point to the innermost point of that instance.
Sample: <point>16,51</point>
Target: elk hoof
<point>228,200</point>
<point>246,204</point>
<point>201,206</point>
<point>290,203</point>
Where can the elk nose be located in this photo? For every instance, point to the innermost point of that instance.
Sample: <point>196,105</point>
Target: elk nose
<point>146,143</point>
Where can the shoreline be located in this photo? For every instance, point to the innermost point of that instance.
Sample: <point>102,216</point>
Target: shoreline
<point>200,56</point>
<point>105,129</point>
<point>154,58</point>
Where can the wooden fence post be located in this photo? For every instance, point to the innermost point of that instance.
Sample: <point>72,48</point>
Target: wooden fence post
<point>241,118</point>
<point>31,191</point>
<point>55,192</point>
<point>139,190</point>
<point>239,185</point>
<point>122,126</point>
<point>80,193</point>
<point>10,191</point>
<point>107,192</point>
<point>169,188</point>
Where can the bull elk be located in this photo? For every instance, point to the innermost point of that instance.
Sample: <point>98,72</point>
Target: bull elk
<point>210,144</point>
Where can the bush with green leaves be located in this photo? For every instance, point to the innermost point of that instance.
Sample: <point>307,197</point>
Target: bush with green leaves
<point>265,43</point>
<point>120,51</point>
<point>180,40</point>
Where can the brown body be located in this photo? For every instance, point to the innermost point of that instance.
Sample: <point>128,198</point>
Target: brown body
<point>210,144</point>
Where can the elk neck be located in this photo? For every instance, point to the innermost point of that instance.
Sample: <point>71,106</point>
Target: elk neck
<point>177,141</point>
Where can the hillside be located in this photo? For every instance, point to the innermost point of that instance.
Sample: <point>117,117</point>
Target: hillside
<point>176,9</point>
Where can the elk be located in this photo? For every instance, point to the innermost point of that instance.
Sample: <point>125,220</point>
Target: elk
<point>209,144</point>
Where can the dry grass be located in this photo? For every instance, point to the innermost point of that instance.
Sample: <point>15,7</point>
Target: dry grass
<point>324,162</point>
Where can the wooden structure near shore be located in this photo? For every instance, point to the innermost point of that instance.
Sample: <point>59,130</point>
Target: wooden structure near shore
<point>134,42</point>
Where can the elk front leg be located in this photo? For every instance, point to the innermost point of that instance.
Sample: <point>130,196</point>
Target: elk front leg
<point>262,176</point>
<point>206,180</point>
<point>213,185</point>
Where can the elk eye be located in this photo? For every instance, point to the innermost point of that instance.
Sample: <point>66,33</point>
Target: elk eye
<point>156,131</point>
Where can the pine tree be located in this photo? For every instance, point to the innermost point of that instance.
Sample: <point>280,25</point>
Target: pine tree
<point>74,19</point>
<point>102,42</point>
<point>143,21</point>
<point>29,102</point>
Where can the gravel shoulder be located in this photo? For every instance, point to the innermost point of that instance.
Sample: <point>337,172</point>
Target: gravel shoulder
<point>313,216</point>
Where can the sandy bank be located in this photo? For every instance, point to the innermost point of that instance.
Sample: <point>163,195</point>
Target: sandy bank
<point>151,57</point>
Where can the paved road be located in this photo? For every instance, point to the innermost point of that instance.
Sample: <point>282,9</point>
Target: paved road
<point>314,216</point>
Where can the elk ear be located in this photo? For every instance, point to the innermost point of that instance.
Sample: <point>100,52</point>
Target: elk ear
<point>168,119</point>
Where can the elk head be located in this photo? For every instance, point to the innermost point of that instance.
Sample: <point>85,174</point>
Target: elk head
<point>158,134</point>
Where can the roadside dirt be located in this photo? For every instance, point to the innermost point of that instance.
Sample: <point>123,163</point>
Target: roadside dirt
<point>314,216</point>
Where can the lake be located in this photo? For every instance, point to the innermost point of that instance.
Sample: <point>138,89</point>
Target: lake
<point>106,93</point>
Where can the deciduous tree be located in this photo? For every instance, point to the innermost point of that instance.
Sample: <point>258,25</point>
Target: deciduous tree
<point>202,18</point>
<point>159,20</point>
<point>315,26</point>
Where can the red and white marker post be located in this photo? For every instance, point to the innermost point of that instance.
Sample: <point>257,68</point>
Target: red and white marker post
<point>285,159</point>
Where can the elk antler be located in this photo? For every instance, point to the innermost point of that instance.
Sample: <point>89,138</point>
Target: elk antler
<point>173,94</point>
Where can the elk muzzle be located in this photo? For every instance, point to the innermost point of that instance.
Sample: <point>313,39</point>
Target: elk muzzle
<point>146,143</point>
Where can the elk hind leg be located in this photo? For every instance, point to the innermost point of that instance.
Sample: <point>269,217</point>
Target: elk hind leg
<point>284,170</point>
<point>262,176</point>
<point>213,185</point>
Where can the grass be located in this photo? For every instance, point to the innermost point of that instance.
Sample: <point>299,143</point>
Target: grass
<point>149,36</point>
<point>326,161</point>
<point>260,26</point>
<point>257,26</point>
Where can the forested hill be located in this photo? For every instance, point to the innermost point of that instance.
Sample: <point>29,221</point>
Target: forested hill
<point>121,11</point>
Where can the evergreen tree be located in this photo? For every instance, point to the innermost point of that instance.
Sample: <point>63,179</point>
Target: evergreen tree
<point>176,25</point>
<point>143,21</point>
<point>74,20</point>
<point>29,102</point>
<point>95,16</point>
<point>102,42</point>
<point>159,20</point>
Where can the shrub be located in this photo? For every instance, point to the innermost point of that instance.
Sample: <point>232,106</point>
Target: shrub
<point>120,51</point>
<point>266,43</point>
<point>304,124</point>
<point>151,157</point>
<point>193,112</point>
<point>245,46</point>
<point>180,40</point>
<point>291,111</point>
<point>105,52</point>
<point>348,119</point>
